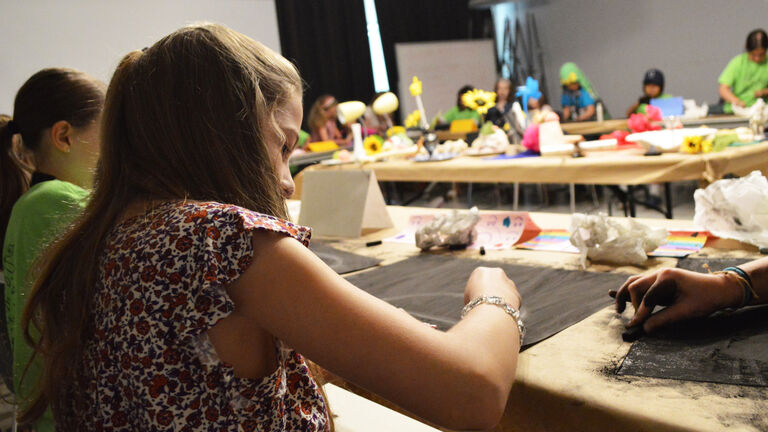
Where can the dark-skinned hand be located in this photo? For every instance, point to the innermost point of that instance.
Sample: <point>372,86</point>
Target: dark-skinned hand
<point>685,294</point>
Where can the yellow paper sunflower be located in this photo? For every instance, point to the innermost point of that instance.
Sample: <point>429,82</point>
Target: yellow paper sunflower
<point>415,87</point>
<point>413,119</point>
<point>706,146</point>
<point>479,100</point>
<point>372,144</point>
<point>691,144</point>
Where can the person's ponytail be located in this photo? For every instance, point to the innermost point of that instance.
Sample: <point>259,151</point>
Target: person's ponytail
<point>14,173</point>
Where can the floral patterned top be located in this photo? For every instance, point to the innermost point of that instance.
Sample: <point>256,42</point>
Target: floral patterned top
<point>149,365</point>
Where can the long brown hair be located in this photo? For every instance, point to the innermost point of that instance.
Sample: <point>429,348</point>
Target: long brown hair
<point>49,96</point>
<point>183,119</point>
<point>317,112</point>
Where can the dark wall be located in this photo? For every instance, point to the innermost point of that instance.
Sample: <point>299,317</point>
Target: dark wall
<point>328,41</point>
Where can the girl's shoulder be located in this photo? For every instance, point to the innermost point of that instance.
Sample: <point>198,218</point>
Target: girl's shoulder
<point>49,199</point>
<point>212,221</point>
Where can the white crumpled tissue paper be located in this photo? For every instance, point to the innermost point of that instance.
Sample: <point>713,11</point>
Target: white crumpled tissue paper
<point>614,240</point>
<point>735,209</point>
<point>455,229</point>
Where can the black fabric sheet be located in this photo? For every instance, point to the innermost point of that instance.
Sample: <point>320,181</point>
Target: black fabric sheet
<point>431,288</point>
<point>724,348</point>
<point>340,261</point>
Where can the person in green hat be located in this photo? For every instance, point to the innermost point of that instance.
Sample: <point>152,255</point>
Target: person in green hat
<point>745,79</point>
<point>579,97</point>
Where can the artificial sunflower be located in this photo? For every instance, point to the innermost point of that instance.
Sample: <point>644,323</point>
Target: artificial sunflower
<point>706,146</point>
<point>415,87</point>
<point>413,119</point>
<point>395,130</point>
<point>691,144</point>
<point>479,100</point>
<point>372,144</point>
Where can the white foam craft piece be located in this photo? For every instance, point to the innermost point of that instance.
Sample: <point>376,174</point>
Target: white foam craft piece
<point>667,140</point>
<point>604,144</point>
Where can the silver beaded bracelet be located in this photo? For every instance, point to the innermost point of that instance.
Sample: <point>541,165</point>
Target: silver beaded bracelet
<point>497,301</point>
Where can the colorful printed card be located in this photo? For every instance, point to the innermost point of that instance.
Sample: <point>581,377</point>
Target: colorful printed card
<point>495,231</point>
<point>552,241</point>
<point>679,243</point>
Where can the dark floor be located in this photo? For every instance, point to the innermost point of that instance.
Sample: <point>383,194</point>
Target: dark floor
<point>554,198</point>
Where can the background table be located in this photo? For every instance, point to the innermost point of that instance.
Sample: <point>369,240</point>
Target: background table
<point>608,126</point>
<point>565,383</point>
<point>610,168</point>
<point>594,127</point>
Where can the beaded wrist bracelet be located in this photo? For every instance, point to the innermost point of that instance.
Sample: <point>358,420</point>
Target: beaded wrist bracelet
<point>497,301</point>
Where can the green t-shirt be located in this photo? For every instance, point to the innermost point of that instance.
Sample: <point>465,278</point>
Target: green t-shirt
<point>744,77</point>
<point>466,114</point>
<point>37,218</point>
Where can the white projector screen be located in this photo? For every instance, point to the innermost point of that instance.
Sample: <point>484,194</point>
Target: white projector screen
<point>443,68</point>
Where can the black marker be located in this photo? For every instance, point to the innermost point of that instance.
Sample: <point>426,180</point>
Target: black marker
<point>482,250</point>
<point>373,243</point>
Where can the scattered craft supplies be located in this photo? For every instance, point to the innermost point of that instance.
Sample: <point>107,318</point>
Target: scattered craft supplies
<point>495,231</point>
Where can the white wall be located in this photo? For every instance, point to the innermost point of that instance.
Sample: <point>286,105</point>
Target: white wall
<point>616,41</point>
<point>93,35</point>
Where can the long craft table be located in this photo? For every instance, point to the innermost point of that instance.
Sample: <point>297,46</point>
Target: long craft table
<point>566,382</point>
<point>618,169</point>
<point>593,127</point>
<point>608,126</point>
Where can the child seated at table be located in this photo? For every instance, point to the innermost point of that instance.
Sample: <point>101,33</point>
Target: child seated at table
<point>579,97</point>
<point>460,111</point>
<point>653,88</point>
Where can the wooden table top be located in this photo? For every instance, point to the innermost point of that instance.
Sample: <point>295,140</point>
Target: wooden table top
<point>565,383</point>
<point>605,168</point>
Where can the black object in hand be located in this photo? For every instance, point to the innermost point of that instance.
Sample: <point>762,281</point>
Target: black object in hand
<point>633,333</point>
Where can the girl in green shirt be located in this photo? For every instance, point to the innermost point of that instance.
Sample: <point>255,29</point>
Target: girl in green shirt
<point>460,111</point>
<point>745,79</point>
<point>55,119</point>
